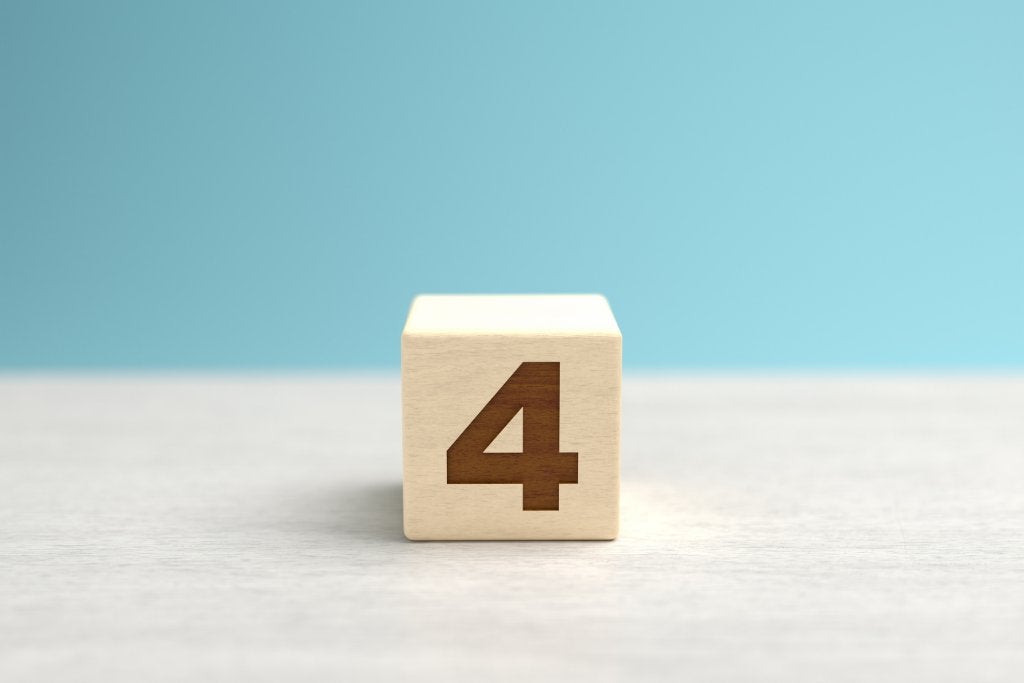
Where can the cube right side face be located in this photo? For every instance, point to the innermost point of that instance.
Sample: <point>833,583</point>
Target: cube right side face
<point>559,481</point>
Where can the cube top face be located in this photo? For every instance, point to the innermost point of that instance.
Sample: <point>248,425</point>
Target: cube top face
<point>511,429</point>
<point>544,314</point>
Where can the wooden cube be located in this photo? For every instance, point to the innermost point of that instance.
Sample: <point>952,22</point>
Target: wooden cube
<point>511,410</point>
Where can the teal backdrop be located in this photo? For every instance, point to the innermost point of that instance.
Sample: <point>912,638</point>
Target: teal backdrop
<point>754,185</point>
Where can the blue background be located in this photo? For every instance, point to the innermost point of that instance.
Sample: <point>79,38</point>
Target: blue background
<point>753,185</point>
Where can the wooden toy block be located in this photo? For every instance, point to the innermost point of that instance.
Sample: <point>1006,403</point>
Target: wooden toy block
<point>511,410</point>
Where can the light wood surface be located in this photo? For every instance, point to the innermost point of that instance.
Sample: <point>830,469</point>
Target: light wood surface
<point>454,363</point>
<point>511,314</point>
<point>205,528</point>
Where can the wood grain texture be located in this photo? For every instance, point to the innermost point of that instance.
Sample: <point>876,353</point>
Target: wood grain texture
<point>204,528</point>
<point>453,365</point>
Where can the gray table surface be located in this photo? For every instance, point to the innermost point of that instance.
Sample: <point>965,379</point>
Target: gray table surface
<point>249,528</point>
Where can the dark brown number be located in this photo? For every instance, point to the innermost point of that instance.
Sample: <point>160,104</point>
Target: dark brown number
<point>540,468</point>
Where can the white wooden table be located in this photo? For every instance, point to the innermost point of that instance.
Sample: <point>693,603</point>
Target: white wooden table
<point>226,528</point>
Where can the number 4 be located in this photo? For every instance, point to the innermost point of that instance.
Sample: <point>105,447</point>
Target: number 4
<point>540,468</point>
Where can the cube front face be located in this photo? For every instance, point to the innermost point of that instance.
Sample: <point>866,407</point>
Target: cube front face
<point>555,477</point>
